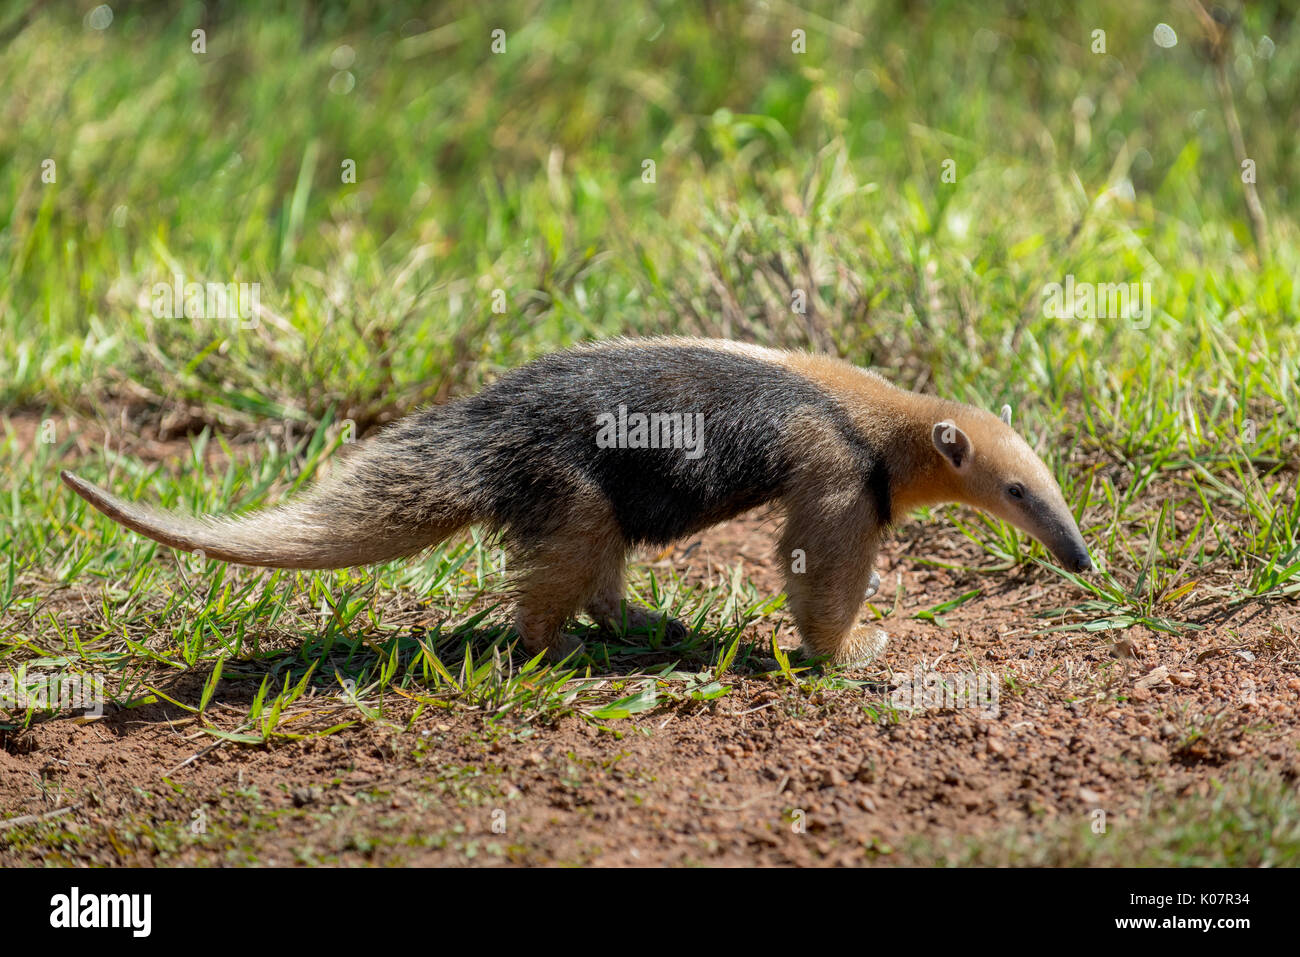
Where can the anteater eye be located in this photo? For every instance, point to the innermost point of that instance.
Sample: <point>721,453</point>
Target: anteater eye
<point>1016,491</point>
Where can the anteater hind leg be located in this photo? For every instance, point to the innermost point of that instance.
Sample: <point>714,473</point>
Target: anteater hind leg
<point>828,548</point>
<point>564,573</point>
<point>611,611</point>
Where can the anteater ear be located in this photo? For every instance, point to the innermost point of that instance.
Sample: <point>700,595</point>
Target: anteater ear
<point>953,444</point>
<point>1006,414</point>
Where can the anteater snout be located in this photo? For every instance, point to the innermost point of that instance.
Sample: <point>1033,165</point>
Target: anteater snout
<point>1076,560</point>
<point>1074,557</point>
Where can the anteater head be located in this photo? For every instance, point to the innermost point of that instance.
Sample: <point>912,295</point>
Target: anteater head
<point>991,467</point>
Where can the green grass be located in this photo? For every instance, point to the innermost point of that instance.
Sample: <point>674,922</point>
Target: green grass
<point>1244,821</point>
<point>775,174</point>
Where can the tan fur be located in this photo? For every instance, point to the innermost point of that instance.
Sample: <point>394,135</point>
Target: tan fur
<point>836,536</point>
<point>841,536</point>
<point>580,564</point>
<point>301,534</point>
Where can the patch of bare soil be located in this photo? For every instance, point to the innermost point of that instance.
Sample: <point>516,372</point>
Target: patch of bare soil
<point>768,774</point>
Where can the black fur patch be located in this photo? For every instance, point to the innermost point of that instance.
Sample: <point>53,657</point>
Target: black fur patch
<point>523,447</point>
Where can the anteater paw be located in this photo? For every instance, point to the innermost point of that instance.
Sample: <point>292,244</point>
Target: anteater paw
<point>565,646</point>
<point>862,647</point>
<point>627,619</point>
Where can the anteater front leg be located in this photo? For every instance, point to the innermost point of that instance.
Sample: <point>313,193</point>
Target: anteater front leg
<point>828,548</point>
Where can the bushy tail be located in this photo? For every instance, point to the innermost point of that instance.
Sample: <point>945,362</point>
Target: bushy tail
<point>374,511</point>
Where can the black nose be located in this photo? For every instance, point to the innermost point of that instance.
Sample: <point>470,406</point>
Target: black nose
<point>1083,563</point>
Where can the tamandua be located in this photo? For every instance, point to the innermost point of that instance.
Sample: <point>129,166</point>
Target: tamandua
<point>579,456</point>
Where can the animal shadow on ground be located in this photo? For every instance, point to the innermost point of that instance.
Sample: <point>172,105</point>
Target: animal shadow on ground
<point>329,680</point>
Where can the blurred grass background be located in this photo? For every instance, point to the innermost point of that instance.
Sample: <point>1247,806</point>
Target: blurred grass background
<point>522,171</point>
